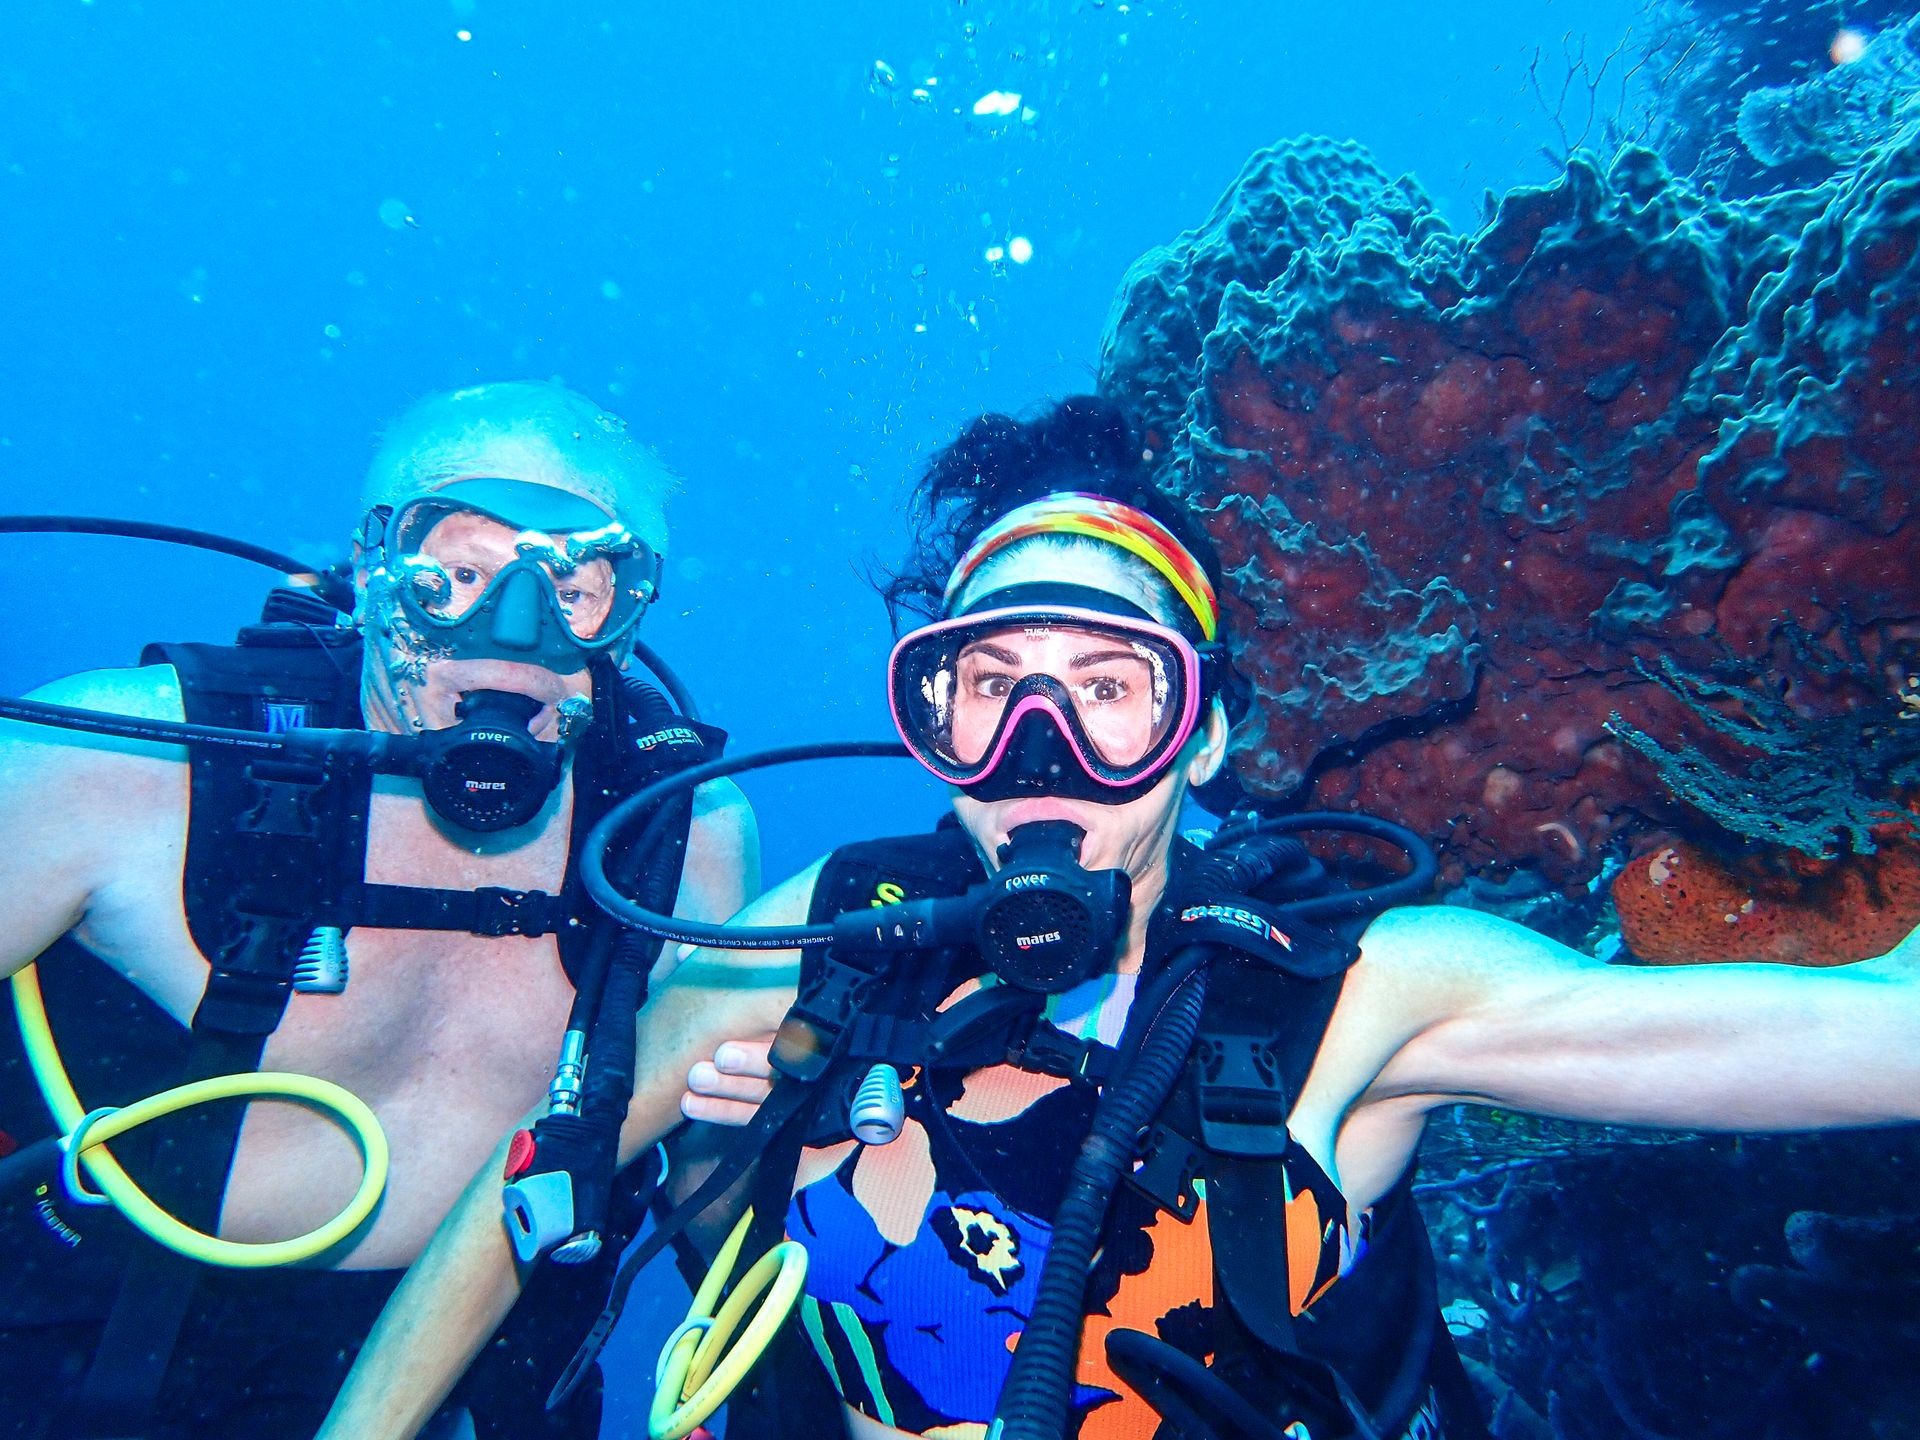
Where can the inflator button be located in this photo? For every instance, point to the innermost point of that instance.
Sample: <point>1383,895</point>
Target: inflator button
<point>519,1155</point>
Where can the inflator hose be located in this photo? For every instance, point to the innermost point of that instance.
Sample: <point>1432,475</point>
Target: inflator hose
<point>1342,904</point>
<point>88,1131</point>
<point>1036,1400</point>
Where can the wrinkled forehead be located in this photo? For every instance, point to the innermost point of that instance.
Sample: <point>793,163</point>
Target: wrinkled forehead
<point>459,532</point>
<point>1072,560</point>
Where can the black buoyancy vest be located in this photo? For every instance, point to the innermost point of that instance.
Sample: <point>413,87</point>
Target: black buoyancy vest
<point>273,850</point>
<point>1378,1327</point>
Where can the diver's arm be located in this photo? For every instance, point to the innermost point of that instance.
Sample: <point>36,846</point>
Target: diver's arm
<point>722,870</point>
<point>713,997</point>
<point>75,809</point>
<point>452,1299</point>
<point>462,1286</point>
<point>1500,1015</point>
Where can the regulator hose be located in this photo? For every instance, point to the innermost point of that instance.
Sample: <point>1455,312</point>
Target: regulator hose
<point>1036,1400</point>
<point>326,580</point>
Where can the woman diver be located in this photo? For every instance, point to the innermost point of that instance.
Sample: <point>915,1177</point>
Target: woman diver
<point>1262,1273</point>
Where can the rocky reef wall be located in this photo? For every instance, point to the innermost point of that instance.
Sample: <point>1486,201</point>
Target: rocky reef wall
<point>1593,526</point>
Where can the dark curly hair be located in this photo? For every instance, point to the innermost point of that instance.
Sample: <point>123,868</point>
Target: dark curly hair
<point>998,464</point>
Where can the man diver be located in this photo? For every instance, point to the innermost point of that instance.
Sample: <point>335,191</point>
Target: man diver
<point>510,544</point>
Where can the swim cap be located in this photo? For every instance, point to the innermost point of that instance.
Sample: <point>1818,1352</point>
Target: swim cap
<point>530,453</point>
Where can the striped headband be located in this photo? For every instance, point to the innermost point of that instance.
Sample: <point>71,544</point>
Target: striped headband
<point>1098,518</point>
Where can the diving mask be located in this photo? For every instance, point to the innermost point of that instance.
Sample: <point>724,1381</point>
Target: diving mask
<point>1046,698</point>
<point>454,581</point>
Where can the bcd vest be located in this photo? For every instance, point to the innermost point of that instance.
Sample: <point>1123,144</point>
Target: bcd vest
<point>274,850</point>
<point>1375,1334</point>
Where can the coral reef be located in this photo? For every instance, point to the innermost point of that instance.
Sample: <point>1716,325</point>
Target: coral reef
<point>1475,493</point>
<point>1641,1290</point>
<point>1837,115</point>
<point>1679,904</point>
<point>1752,96</point>
<point>1812,784</point>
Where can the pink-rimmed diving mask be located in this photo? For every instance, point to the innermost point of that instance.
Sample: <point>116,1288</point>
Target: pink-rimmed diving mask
<point>1046,698</point>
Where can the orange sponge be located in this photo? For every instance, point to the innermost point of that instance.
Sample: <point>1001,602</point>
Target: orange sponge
<point>1680,905</point>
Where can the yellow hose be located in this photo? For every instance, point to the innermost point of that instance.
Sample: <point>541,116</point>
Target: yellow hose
<point>697,1371</point>
<point>139,1208</point>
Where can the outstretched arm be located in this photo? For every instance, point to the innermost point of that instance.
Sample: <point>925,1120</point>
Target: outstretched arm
<point>1502,1016</point>
<point>460,1289</point>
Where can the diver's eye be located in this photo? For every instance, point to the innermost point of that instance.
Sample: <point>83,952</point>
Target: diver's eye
<point>993,687</point>
<point>1104,690</point>
<point>570,597</point>
<point>465,575</point>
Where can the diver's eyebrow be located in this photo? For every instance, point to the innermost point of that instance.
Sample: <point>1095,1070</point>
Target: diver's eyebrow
<point>1103,657</point>
<point>992,652</point>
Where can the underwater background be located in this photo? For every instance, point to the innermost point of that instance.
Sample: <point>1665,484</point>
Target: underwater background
<point>1565,485</point>
<point>238,240</point>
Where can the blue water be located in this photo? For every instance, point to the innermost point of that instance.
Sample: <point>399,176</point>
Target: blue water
<point>238,239</point>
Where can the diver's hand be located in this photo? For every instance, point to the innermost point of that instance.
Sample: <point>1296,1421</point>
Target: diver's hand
<point>730,1087</point>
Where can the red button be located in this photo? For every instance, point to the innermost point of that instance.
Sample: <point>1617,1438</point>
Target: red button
<point>519,1155</point>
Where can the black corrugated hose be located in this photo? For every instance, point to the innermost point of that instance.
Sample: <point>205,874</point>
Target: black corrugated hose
<point>1036,1400</point>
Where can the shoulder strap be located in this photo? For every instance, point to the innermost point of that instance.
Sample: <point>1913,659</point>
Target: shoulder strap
<point>1227,1119</point>
<point>251,818</point>
<point>637,737</point>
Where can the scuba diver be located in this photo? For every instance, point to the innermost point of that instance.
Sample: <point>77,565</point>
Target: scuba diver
<point>378,888</point>
<point>1088,1130</point>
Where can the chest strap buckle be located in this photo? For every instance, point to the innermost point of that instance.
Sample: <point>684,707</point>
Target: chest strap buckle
<point>1169,1168</point>
<point>1243,1097</point>
<point>1051,1051</point>
<point>498,911</point>
<point>810,1035</point>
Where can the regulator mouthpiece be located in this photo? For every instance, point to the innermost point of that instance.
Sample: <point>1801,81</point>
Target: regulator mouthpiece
<point>1046,922</point>
<point>486,772</point>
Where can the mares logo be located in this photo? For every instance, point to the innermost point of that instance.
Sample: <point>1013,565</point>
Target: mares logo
<point>49,1217</point>
<point>1425,1425</point>
<point>1033,942</point>
<point>673,735</point>
<point>474,786</point>
<point>1240,920</point>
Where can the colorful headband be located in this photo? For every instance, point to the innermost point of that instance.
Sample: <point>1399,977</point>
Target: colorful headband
<point>1098,518</point>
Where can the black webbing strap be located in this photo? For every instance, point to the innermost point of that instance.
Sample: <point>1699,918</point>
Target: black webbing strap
<point>490,910</point>
<point>191,1162</point>
<point>1241,1084</point>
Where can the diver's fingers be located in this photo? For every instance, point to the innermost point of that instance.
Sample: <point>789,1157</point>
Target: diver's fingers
<point>748,1056</point>
<point>704,1079</point>
<point>717,1112</point>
